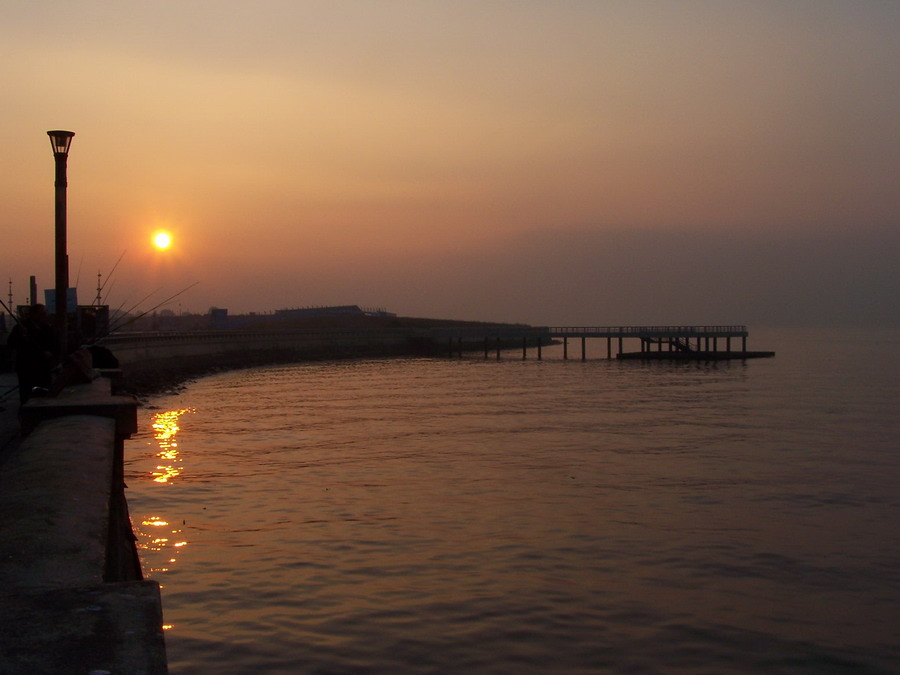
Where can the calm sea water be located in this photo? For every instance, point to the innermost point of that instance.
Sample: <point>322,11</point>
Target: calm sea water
<point>484,516</point>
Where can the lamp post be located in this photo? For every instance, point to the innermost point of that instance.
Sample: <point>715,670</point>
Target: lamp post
<point>60,141</point>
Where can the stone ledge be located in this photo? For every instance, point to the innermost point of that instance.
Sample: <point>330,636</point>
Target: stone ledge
<point>90,398</point>
<point>54,496</point>
<point>109,628</point>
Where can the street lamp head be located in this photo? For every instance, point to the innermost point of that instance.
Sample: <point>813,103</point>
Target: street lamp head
<point>60,141</point>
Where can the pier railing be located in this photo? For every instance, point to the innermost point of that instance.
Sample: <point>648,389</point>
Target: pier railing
<point>473,332</point>
<point>650,331</point>
<point>672,342</point>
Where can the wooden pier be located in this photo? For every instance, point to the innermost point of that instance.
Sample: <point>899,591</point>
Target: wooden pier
<point>183,351</point>
<point>696,343</point>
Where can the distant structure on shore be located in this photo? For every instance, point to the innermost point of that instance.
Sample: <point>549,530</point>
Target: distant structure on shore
<point>335,310</point>
<point>218,318</point>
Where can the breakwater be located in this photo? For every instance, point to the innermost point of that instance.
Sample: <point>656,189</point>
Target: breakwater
<point>155,361</point>
<point>151,363</point>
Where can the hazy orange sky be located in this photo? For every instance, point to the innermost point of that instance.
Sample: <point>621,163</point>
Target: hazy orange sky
<point>577,162</point>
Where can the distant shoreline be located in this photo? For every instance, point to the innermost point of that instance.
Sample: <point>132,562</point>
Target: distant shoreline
<point>391,337</point>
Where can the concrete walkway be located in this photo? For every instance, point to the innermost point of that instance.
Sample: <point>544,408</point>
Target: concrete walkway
<point>9,402</point>
<point>59,611</point>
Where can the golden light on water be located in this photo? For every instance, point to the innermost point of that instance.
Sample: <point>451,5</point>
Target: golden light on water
<point>154,521</point>
<point>164,474</point>
<point>165,424</point>
<point>165,428</point>
<point>153,531</point>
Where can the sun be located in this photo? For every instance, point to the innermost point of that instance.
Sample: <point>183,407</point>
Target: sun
<point>162,240</point>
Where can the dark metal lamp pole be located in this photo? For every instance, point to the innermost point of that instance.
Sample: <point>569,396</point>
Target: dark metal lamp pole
<point>60,141</point>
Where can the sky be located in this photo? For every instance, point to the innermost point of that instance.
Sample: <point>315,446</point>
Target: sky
<point>554,163</point>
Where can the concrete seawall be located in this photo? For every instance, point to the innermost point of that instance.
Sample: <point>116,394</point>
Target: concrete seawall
<point>72,598</point>
<point>152,362</point>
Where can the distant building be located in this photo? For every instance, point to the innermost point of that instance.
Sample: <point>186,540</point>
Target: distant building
<point>335,310</point>
<point>218,318</point>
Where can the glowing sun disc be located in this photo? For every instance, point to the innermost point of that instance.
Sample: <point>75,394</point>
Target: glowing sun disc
<point>162,240</point>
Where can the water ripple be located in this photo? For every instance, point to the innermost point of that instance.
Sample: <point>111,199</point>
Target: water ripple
<point>425,516</point>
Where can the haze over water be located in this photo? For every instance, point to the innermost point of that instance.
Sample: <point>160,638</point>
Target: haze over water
<point>581,162</point>
<point>437,515</point>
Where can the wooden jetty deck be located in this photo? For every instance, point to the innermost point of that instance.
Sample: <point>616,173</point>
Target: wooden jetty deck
<point>716,342</point>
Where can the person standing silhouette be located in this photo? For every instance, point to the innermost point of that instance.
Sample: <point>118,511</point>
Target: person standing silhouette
<point>37,350</point>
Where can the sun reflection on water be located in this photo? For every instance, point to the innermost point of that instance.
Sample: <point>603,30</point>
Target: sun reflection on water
<point>158,540</point>
<point>165,428</point>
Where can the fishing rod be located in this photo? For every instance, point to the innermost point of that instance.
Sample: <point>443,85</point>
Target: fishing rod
<point>111,286</point>
<point>118,310</point>
<point>78,273</point>
<point>133,307</point>
<point>9,311</point>
<point>112,271</point>
<point>155,307</point>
